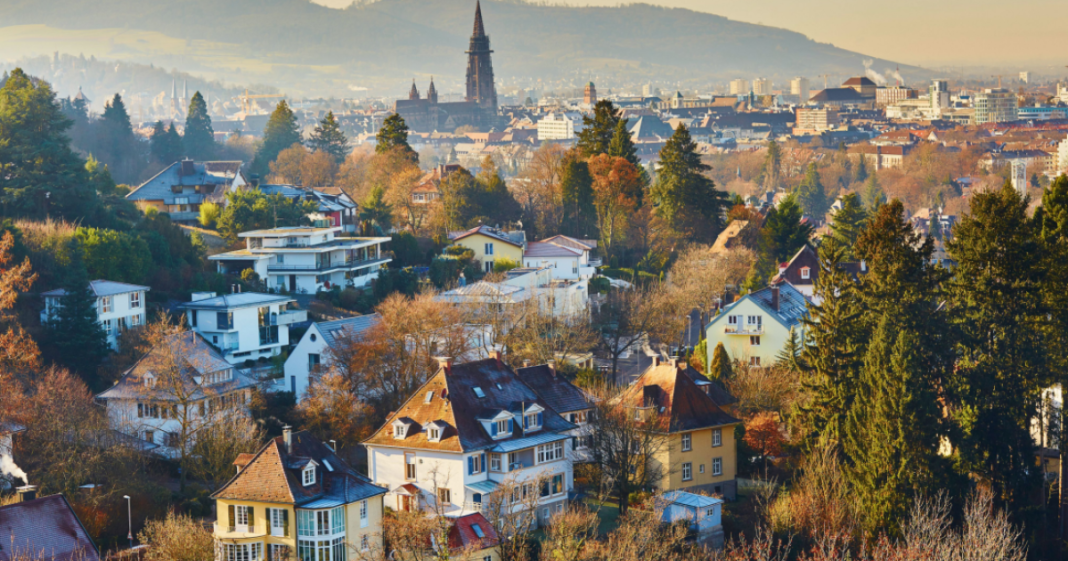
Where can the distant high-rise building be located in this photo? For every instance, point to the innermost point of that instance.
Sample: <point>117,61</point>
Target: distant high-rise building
<point>762,86</point>
<point>480,86</point>
<point>649,91</point>
<point>994,105</point>
<point>799,87</point>
<point>739,87</point>
<point>939,93</point>
<point>589,95</point>
<point>1025,77</point>
<point>1019,176</point>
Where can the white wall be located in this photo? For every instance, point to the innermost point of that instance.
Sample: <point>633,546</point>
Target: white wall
<point>297,371</point>
<point>120,310</point>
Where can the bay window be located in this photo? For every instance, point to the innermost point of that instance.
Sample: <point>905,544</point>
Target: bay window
<point>243,551</point>
<point>329,526</point>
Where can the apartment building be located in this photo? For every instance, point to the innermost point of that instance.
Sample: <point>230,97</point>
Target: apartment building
<point>305,259</point>
<point>118,306</point>
<point>312,352</point>
<point>569,258</point>
<point>560,126</point>
<point>799,87</point>
<point>470,431</point>
<point>994,105</point>
<point>243,326</point>
<point>739,87</point>
<point>295,499</point>
<point>814,121</point>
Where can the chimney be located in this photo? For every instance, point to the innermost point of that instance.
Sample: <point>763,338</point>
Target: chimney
<point>526,363</point>
<point>775,297</point>
<point>496,356</point>
<point>552,366</point>
<point>287,437</point>
<point>674,361</point>
<point>26,493</point>
<point>187,168</point>
<point>445,362</point>
<point>656,361</point>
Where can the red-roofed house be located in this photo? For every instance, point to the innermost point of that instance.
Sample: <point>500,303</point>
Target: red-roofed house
<point>473,537</point>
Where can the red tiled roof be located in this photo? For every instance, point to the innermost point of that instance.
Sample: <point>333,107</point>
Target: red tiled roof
<point>462,535</point>
<point>677,398</point>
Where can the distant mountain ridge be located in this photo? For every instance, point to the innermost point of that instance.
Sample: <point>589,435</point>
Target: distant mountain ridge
<point>379,43</point>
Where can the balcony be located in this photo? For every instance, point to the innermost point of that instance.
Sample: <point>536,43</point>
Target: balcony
<point>292,316</point>
<point>594,263</point>
<point>744,330</point>
<point>325,266</point>
<point>224,531</point>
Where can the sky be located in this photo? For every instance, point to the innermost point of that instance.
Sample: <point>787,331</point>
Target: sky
<point>933,33</point>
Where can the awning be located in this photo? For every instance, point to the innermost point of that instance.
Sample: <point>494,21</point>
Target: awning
<point>528,442</point>
<point>322,503</point>
<point>406,489</point>
<point>484,487</point>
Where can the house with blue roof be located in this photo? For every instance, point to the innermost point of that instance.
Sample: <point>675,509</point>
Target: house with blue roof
<point>183,186</point>
<point>756,327</point>
<point>312,352</point>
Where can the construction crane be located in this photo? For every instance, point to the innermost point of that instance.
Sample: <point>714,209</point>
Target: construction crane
<point>246,100</point>
<point>824,76</point>
<point>998,76</point>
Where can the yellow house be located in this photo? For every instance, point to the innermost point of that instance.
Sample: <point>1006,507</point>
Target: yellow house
<point>492,244</point>
<point>699,453</point>
<point>295,499</point>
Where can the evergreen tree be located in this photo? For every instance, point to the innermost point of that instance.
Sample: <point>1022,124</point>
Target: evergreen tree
<point>118,147</point>
<point>394,134</point>
<point>280,133</point>
<point>175,146</point>
<point>165,145</point>
<point>811,194</point>
<point>720,366</point>
<point>622,145</point>
<point>860,172</point>
<point>199,137</point>
<point>999,312</point>
<point>772,164</point>
<point>375,210</point>
<point>576,186</point>
<point>41,174</point>
<point>598,131</point>
<point>848,223</point>
<point>684,198</point>
<point>329,138</point>
<point>75,330</point>
<point>873,195</point>
<point>784,233</point>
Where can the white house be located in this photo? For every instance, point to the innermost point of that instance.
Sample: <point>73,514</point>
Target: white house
<point>560,125</point>
<point>703,514</point>
<point>306,259</point>
<point>182,386</point>
<point>562,297</point>
<point>756,327</point>
<point>243,326</point>
<point>566,399</point>
<point>472,430</point>
<point>569,258</point>
<point>118,305</point>
<point>311,353</point>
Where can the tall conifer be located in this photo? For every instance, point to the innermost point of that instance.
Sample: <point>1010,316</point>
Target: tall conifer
<point>280,133</point>
<point>75,330</point>
<point>199,137</point>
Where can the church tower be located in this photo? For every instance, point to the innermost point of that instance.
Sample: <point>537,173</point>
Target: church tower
<point>414,92</point>
<point>589,95</point>
<point>480,87</point>
<point>432,92</point>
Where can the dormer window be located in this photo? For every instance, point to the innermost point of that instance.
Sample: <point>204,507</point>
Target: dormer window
<point>150,381</point>
<point>532,421</point>
<point>434,434</point>
<point>434,431</point>
<point>307,475</point>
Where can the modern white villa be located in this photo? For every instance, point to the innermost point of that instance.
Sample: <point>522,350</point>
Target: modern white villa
<point>118,306</point>
<point>243,326</point>
<point>305,259</point>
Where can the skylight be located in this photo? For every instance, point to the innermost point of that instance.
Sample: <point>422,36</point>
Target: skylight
<point>328,466</point>
<point>478,392</point>
<point>478,530</point>
<point>429,396</point>
<point>499,386</point>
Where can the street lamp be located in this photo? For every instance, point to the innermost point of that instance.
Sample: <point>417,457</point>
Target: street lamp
<point>129,520</point>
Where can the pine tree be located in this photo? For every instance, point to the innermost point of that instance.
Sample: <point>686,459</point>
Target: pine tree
<point>772,166</point>
<point>622,145</point>
<point>598,131</point>
<point>873,195</point>
<point>75,331</point>
<point>375,210</point>
<point>684,198</point>
<point>720,365</point>
<point>576,186</point>
<point>998,309</point>
<point>280,133</point>
<point>860,172</point>
<point>165,145</point>
<point>119,149</point>
<point>199,137</point>
<point>784,233</point>
<point>394,134</point>
<point>329,138</point>
<point>848,222</point>
<point>811,194</point>
<point>175,145</point>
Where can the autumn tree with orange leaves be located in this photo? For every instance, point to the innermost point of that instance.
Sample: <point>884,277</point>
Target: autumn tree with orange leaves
<point>616,189</point>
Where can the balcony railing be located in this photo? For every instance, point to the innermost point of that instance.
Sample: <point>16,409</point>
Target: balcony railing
<point>338,264</point>
<point>744,330</point>
<point>223,530</point>
<point>292,316</point>
<point>594,263</point>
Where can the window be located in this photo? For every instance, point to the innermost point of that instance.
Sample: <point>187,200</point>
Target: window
<point>489,266</point>
<point>717,437</point>
<point>489,249</point>
<point>754,361</point>
<point>244,551</point>
<point>308,475</point>
<point>502,427</point>
<point>711,511</point>
<point>363,514</point>
<point>192,318</point>
<point>476,464</point>
<point>754,340</point>
<point>409,466</point>
<point>106,304</point>
<point>478,531</point>
<point>701,468</point>
<point>434,434</point>
<point>717,466</point>
<point>532,421</point>
<point>805,272</point>
<point>551,452</point>
<point>732,320</point>
<point>578,418</point>
<point>444,496</point>
<point>135,320</point>
<point>224,320</point>
<point>135,300</point>
<point>150,436</point>
<point>687,442</point>
<point>107,326</point>
<point>478,392</point>
<point>242,517</point>
<point>278,552</point>
<point>495,462</point>
<point>687,471</point>
<point>279,521</point>
<point>558,484</point>
<point>754,320</point>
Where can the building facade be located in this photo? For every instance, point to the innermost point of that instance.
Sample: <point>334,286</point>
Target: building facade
<point>799,87</point>
<point>492,244</point>
<point>243,326</point>
<point>756,327</point>
<point>119,306</point>
<point>994,105</point>
<point>559,126</point>
<point>312,352</point>
<point>182,187</point>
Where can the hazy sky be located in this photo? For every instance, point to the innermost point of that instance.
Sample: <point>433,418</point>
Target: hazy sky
<point>1028,33</point>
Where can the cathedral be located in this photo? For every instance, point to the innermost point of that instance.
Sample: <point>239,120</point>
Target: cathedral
<point>479,108</point>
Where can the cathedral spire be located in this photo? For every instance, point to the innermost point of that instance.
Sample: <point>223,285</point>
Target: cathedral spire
<point>480,31</point>
<point>414,92</point>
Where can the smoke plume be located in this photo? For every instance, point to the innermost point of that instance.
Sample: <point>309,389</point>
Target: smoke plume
<point>8,467</point>
<point>879,79</point>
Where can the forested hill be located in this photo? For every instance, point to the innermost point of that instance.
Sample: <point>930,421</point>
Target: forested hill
<point>397,38</point>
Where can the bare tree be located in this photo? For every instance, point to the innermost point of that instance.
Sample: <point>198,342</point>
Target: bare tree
<point>512,513</point>
<point>642,536</point>
<point>570,534</point>
<point>178,537</point>
<point>702,278</point>
<point>629,319</point>
<point>538,188</point>
<point>218,443</point>
<point>541,329</point>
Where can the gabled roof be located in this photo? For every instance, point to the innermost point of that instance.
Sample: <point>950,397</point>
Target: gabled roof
<point>513,238</point>
<point>557,391</point>
<point>575,243</point>
<point>203,173</point>
<point>273,475</point>
<point>45,528</point>
<point>676,398</point>
<point>859,81</point>
<point>462,534</point>
<point>540,249</point>
<point>331,330</point>
<point>104,288</point>
<point>792,304</point>
<point>453,401</point>
<point>235,301</point>
<point>197,359</point>
<point>650,127</point>
<point>839,95</point>
<point>805,257</point>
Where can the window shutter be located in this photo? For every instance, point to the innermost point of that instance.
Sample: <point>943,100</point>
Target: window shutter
<point>233,517</point>
<point>251,516</point>
<point>511,426</point>
<point>493,428</point>
<point>470,465</point>
<point>285,523</point>
<point>526,425</point>
<point>484,466</point>
<point>540,417</point>
<point>574,442</point>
